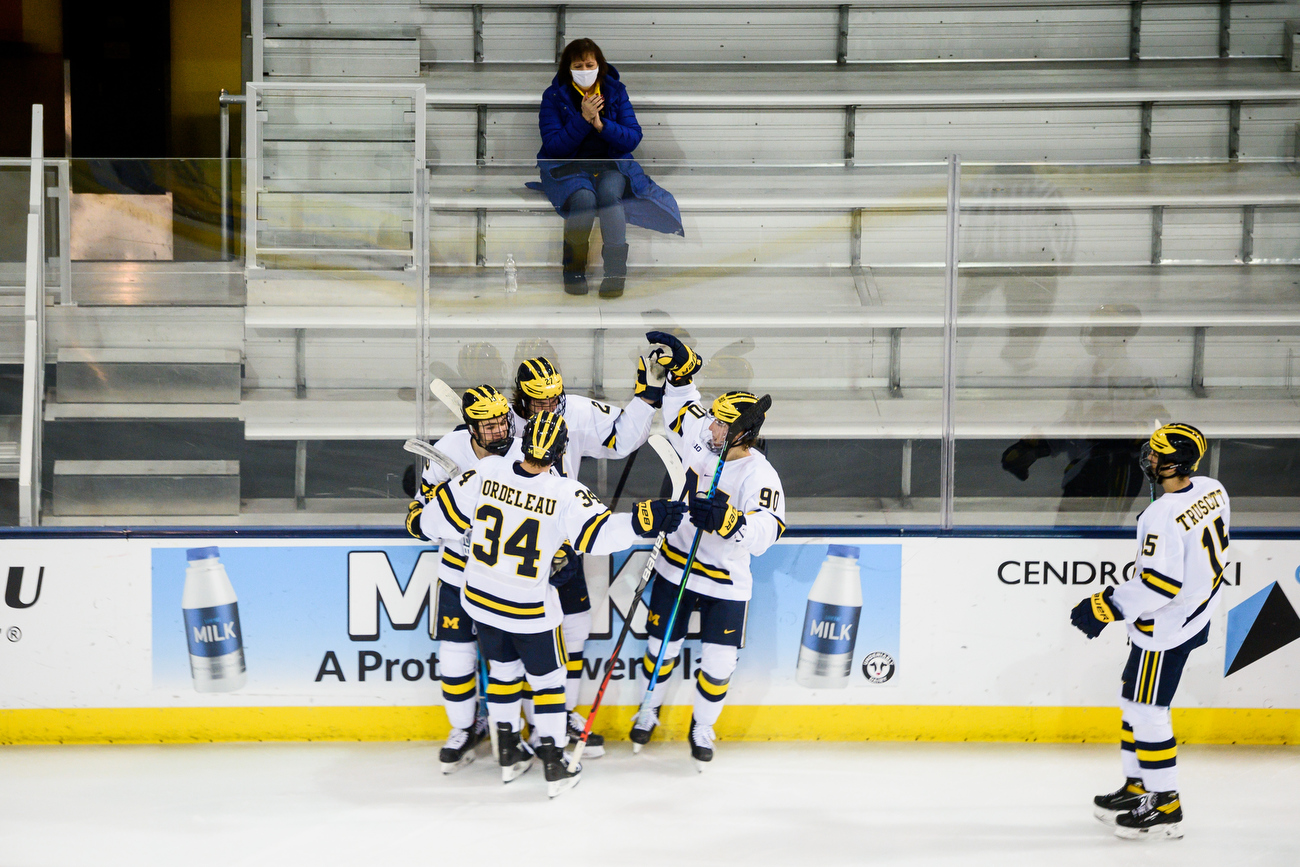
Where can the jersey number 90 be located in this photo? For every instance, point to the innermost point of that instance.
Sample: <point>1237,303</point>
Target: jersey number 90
<point>522,543</point>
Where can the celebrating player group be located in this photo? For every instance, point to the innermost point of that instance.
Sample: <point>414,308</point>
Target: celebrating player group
<point>502,496</point>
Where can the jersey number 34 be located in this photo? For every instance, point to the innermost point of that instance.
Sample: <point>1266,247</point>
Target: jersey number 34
<point>522,543</point>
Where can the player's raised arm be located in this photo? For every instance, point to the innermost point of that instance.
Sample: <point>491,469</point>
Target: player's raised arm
<point>684,417</point>
<point>594,529</point>
<point>447,513</point>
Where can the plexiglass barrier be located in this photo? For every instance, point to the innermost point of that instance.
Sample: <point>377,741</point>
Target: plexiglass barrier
<point>275,384</point>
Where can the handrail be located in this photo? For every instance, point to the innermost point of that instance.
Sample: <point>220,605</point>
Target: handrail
<point>226,100</point>
<point>29,460</point>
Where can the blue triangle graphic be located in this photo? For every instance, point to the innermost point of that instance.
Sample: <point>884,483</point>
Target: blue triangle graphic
<point>1240,619</point>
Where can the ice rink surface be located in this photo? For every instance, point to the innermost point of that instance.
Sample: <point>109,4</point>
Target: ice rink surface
<point>759,803</point>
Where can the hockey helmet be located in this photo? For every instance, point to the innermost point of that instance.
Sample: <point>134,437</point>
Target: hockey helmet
<point>483,403</point>
<point>1177,446</point>
<point>545,437</point>
<point>727,408</point>
<point>537,379</point>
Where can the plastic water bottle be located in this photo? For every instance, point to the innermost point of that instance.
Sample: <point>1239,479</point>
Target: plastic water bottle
<point>830,622</point>
<point>512,275</point>
<point>212,628</point>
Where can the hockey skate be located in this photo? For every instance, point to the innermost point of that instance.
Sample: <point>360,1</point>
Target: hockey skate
<point>459,749</point>
<point>595,747</point>
<point>642,727</point>
<point>559,778</point>
<point>1123,799</point>
<point>1158,815</point>
<point>514,756</point>
<point>701,738</point>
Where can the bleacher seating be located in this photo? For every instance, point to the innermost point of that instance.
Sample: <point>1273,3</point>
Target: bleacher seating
<point>807,270</point>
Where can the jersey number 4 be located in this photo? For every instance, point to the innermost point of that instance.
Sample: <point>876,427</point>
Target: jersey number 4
<point>522,543</point>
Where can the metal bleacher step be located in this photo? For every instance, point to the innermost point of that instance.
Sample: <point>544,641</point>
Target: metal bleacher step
<point>147,375</point>
<point>103,488</point>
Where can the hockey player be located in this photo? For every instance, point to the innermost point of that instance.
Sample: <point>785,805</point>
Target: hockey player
<point>743,518</point>
<point>1182,542</point>
<point>488,430</point>
<point>596,430</point>
<point>519,514</point>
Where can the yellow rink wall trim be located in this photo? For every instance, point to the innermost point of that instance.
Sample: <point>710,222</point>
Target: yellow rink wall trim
<point>738,723</point>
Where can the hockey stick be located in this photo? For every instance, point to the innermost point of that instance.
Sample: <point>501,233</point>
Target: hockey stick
<point>678,475</point>
<point>743,424</point>
<point>447,397</point>
<point>424,450</point>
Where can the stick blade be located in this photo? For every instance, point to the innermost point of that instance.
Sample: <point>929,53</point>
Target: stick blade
<point>672,463</point>
<point>447,396</point>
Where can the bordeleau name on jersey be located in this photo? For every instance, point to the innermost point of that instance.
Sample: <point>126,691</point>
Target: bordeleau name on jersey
<point>512,497</point>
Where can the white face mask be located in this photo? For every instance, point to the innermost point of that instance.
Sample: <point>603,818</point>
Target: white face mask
<point>584,78</point>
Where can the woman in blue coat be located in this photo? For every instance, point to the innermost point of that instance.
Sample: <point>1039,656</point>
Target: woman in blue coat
<point>589,131</point>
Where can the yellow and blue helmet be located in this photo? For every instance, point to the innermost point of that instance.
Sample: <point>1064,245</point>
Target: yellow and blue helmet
<point>537,379</point>
<point>483,403</point>
<point>546,436</point>
<point>727,408</point>
<point>1175,445</point>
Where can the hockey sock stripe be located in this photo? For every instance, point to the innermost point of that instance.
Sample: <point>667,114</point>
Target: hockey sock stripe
<point>648,665</point>
<point>574,666</point>
<point>1126,737</point>
<point>549,700</point>
<point>458,688</point>
<point>711,688</point>
<point>1162,754</point>
<point>505,691</point>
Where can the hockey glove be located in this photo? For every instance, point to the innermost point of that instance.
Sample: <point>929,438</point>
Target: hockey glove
<point>565,565</point>
<point>1092,614</point>
<point>716,516</point>
<point>413,515</point>
<point>650,382</point>
<point>684,362</point>
<point>654,516</point>
<point>1020,456</point>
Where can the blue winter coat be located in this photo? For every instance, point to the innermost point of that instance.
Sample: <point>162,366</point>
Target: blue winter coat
<point>563,129</point>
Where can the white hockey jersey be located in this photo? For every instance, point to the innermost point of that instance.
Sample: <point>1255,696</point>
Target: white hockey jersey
<point>1182,549</point>
<point>517,521</point>
<point>598,430</point>
<point>458,446</point>
<point>721,567</point>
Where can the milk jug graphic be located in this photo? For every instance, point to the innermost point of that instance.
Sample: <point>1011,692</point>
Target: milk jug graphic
<point>830,623</point>
<point>212,628</point>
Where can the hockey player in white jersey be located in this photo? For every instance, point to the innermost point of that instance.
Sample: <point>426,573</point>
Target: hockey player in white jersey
<point>743,519</point>
<point>518,515</point>
<point>596,430</point>
<point>1182,543</point>
<point>488,430</point>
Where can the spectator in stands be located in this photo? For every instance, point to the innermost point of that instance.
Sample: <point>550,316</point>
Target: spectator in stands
<point>589,132</point>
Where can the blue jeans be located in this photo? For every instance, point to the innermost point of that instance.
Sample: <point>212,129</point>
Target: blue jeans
<point>607,203</point>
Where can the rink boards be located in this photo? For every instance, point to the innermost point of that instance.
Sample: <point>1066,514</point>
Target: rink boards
<point>960,637</point>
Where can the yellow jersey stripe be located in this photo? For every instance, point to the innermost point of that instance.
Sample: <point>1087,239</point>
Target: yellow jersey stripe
<point>451,558</point>
<point>516,610</point>
<point>589,530</point>
<point>697,568</point>
<point>1161,585</point>
<point>676,426</point>
<point>448,506</point>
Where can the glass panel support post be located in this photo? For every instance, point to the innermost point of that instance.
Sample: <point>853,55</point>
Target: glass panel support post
<point>947,474</point>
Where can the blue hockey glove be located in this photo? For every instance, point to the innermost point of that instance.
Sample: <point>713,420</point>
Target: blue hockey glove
<point>1092,614</point>
<point>716,516</point>
<point>413,514</point>
<point>565,565</point>
<point>684,362</point>
<point>654,516</point>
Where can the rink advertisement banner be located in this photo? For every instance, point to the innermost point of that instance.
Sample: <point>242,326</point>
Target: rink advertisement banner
<point>938,637</point>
